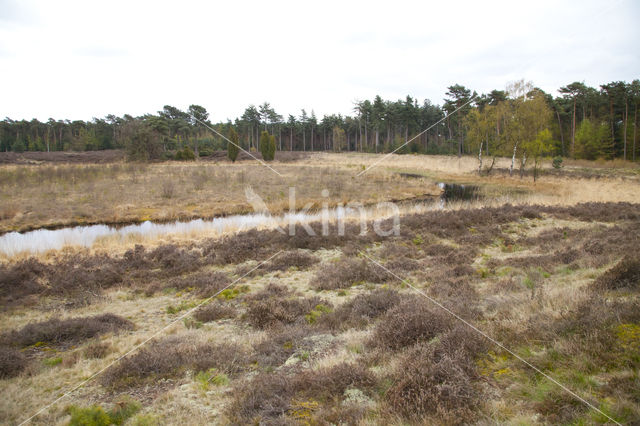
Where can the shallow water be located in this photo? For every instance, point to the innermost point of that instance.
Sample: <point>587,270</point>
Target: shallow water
<point>42,240</point>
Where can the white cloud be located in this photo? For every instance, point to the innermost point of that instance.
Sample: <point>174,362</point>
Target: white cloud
<point>78,59</point>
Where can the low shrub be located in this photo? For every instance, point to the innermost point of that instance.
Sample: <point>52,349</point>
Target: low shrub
<point>21,279</point>
<point>410,321</point>
<point>214,311</point>
<point>361,310</point>
<point>97,416</point>
<point>78,273</point>
<point>68,331</point>
<point>205,284</point>
<point>12,362</point>
<point>185,154</point>
<point>299,259</point>
<point>346,272</point>
<point>89,416</point>
<point>280,397</point>
<point>174,260</point>
<point>96,350</point>
<point>429,385</point>
<point>329,383</point>
<point>272,312</point>
<point>625,274</point>
<point>265,397</point>
<point>171,358</point>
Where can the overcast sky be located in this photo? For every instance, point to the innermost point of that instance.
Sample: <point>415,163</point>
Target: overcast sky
<point>84,59</point>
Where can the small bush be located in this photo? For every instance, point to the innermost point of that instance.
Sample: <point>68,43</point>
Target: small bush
<point>96,416</point>
<point>281,343</point>
<point>557,162</point>
<point>271,397</point>
<point>174,260</point>
<point>214,311</point>
<point>331,382</point>
<point>52,362</point>
<point>89,416</point>
<point>274,311</point>
<point>625,274</point>
<point>205,284</point>
<point>68,331</point>
<point>361,310</point>
<point>168,189</point>
<point>171,357</point>
<point>408,322</point>
<point>291,259</point>
<point>346,272</point>
<point>266,396</point>
<point>12,362</point>
<point>430,385</point>
<point>21,279</point>
<point>96,350</point>
<point>123,410</point>
<point>185,154</point>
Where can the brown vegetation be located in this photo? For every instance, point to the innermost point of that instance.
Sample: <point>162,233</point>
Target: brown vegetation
<point>171,358</point>
<point>65,332</point>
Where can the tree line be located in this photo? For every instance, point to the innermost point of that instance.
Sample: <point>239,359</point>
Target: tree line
<point>521,121</point>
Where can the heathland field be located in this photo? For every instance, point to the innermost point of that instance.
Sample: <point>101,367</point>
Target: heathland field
<point>518,306</point>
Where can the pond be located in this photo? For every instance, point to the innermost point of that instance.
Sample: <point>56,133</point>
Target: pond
<point>43,240</point>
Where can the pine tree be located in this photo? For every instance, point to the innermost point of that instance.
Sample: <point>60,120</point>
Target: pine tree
<point>264,145</point>
<point>232,147</point>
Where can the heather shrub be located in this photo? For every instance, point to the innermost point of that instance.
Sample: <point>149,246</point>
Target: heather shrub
<point>174,260</point>
<point>329,383</point>
<point>346,272</point>
<point>12,362</point>
<point>281,343</point>
<point>171,358</point>
<point>214,311</point>
<point>83,277</point>
<point>96,350</point>
<point>625,274</point>
<point>205,284</point>
<point>275,397</point>
<point>425,384</point>
<point>271,312</point>
<point>67,331</point>
<point>361,310</point>
<point>410,321</point>
<point>293,258</point>
<point>21,279</point>
<point>265,398</point>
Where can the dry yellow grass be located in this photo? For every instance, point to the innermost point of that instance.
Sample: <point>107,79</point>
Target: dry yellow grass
<point>51,196</point>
